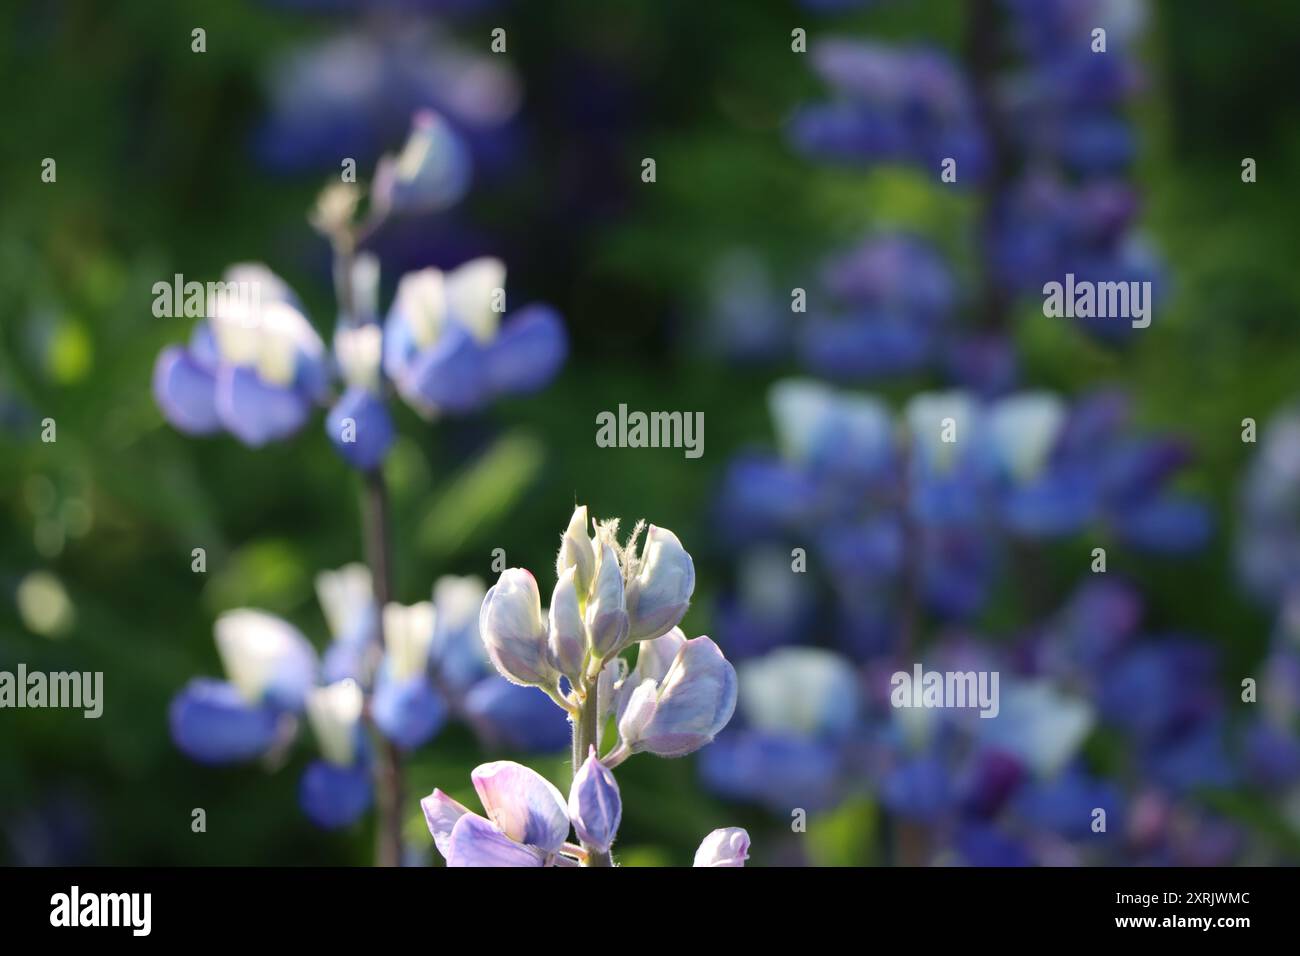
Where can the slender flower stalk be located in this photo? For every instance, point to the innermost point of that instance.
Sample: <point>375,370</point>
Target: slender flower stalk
<point>374,513</point>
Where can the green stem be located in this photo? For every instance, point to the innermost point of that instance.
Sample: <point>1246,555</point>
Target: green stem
<point>586,734</point>
<point>388,763</point>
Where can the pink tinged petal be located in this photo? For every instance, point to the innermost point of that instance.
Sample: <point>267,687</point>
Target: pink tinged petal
<point>607,621</point>
<point>441,813</point>
<point>476,842</point>
<point>695,700</point>
<point>525,805</point>
<point>594,804</point>
<point>661,591</point>
<point>726,847</point>
<point>510,623</point>
<point>568,637</point>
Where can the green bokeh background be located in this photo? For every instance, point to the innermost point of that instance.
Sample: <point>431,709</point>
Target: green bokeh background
<point>155,177</point>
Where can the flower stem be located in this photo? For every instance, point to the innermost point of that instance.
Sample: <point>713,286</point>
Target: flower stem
<point>586,734</point>
<point>374,514</point>
<point>388,761</point>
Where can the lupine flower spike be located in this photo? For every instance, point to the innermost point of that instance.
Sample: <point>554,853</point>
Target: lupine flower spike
<point>676,697</point>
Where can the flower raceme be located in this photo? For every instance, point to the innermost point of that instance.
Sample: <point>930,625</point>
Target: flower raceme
<point>678,696</point>
<point>256,367</point>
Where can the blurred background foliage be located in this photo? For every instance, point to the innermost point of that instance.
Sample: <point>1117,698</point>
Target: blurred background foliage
<point>157,174</point>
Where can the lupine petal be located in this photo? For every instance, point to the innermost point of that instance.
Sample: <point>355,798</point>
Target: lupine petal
<point>449,376</point>
<point>360,428</point>
<point>333,796</point>
<point>577,551</point>
<point>607,619</point>
<point>594,804</point>
<point>186,392</point>
<point>266,657</point>
<point>431,172</point>
<point>517,718</point>
<point>476,842</point>
<point>695,700</point>
<point>256,412</point>
<point>568,637</point>
<point>440,814</point>
<point>726,847</point>
<point>510,623</point>
<point>524,804</point>
<point>409,712</point>
<point>527,353</point>
<point>660,593</point>
<point>211,722</point>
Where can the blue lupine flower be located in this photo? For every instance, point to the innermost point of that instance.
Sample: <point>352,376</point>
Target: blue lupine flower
<point>254,366</point>
<point>798,711</point>
<point>359,424</point>
<point>516,718</point>
<point>270,667</point>
<point>405,705</point>
<point>355,92</point>
<point>879,310</point>
<point>347,599</point>
<point>891,106</point>
<point>336,791</point>
<point>431,172</point>
<point>211,722</point>
<point>446,351</point>
<point>1063,803</point>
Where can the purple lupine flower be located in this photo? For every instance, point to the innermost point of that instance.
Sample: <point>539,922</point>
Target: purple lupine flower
<point>446,350</point>
<point>516,718</point>
<point>270,668</point>
<point>886,302</point>
<point>359,425</point>
<point>682,693</point>
<point>891,106</point>
<point>431,172</point>
<point>254,366</point>
<point>527,822</point>
<point>405,705</point>
<point>798,711</point>
<point>336,790</point>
